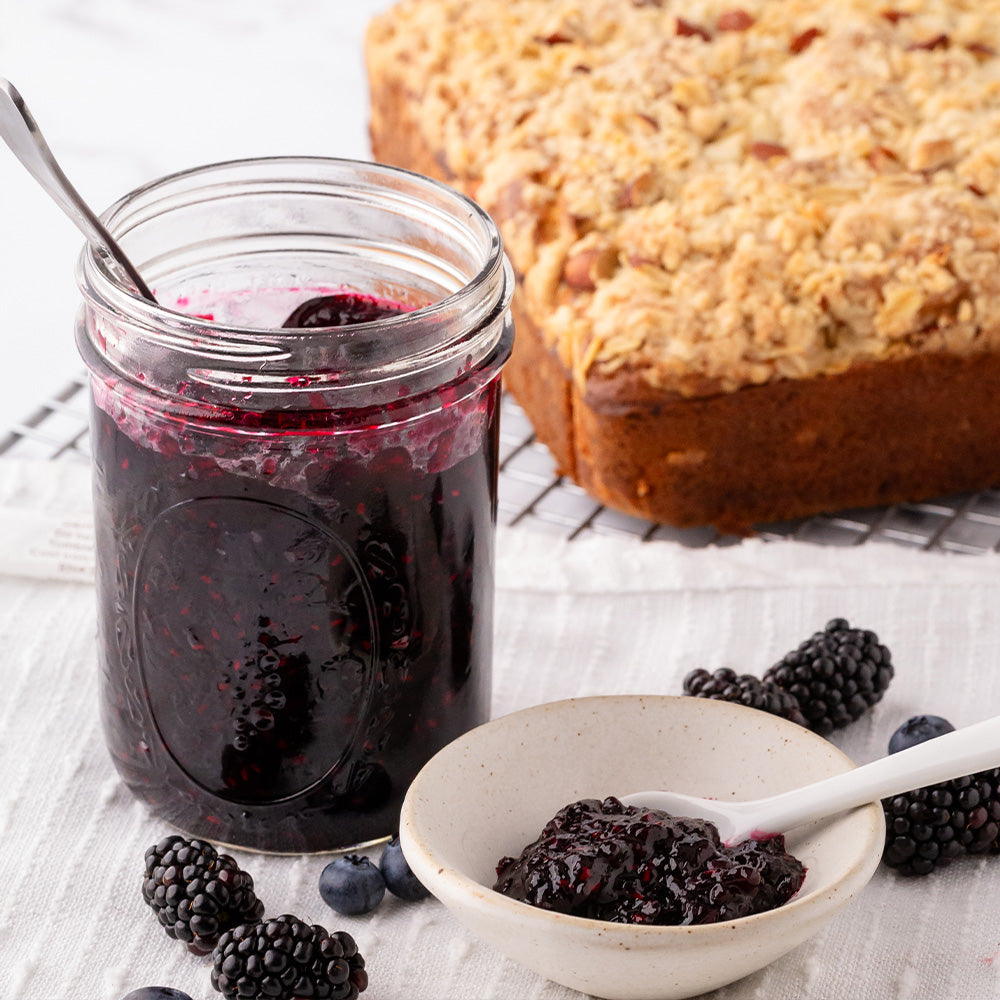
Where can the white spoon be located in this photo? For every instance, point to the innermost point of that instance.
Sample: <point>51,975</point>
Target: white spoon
<point>21,132</point>
<point>964,751</point>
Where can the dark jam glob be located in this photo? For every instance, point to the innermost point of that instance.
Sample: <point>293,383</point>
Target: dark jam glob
<point>608,861</point>
<point>296,607</point>
<point>339,309</point>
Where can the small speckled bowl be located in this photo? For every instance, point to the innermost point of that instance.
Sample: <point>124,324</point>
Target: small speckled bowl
<point>490,792</point>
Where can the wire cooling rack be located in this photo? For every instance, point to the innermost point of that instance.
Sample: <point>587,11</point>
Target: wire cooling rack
<point>532,494</point>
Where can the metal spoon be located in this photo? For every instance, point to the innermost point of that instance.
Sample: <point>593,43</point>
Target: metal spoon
<point>21,133</point>
<point>964,751</point>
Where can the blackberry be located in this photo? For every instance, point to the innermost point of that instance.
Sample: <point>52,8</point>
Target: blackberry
<point>196,892</point>
<point>836,675</point>
<point>286,958</point>
<point>929,827</point>
<point>744,689</point>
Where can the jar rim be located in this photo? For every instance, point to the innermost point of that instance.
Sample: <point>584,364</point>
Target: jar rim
<point>228,354</point>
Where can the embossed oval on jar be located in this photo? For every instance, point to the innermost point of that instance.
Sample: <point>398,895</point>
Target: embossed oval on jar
<point>255,632</point>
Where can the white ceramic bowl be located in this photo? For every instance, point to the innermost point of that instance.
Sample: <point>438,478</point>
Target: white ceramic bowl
<point>491,791</point>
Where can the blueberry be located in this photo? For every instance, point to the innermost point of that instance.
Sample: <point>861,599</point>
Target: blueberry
<point>156,993</point>
<point>917,730</point>
<point>399,880</point>
<point>351,885</point>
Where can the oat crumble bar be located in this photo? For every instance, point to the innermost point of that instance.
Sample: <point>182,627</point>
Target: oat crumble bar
<point>702,199</point>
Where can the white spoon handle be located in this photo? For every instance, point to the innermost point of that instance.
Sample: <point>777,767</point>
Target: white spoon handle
<point>964,751</point>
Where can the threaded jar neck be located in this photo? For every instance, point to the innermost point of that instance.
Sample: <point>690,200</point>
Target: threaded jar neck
<point>251,235</point>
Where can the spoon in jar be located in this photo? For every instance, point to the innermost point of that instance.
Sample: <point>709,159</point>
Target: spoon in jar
<point>953,755</point>
<point>21,133</point>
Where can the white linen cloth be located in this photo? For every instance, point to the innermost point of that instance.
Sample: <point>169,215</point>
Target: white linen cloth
<point>601,616</point>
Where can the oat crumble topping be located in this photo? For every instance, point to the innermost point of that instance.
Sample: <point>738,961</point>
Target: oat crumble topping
<point>709,195</point>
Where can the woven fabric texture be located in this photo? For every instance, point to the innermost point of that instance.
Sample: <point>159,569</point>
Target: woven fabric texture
<point>601,616</point>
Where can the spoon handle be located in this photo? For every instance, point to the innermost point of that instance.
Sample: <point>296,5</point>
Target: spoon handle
<point>953,755</point>
<point>21,133</point>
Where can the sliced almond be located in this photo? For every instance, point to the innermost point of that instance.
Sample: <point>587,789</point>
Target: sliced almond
<point>768,150</point>
<point>584,268</point>
<point>735,20</point>
<point>803,40</point>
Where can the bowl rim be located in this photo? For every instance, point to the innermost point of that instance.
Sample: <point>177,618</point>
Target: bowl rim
<point>457,885</point>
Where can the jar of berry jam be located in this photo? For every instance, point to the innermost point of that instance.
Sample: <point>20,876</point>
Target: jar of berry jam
<point>295,462</point>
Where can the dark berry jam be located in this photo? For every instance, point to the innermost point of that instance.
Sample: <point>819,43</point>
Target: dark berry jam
<point>296,605</point>
<point>608,861</point>
<point>338,309</point>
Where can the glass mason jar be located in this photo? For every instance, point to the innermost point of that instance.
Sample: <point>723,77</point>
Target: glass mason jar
<point>294,526</point>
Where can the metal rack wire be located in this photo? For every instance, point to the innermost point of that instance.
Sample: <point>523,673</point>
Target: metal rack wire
<point>532,494</point>
<point>57,429</point>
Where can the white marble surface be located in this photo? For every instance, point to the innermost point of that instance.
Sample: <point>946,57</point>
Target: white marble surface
<point>126,91</point>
